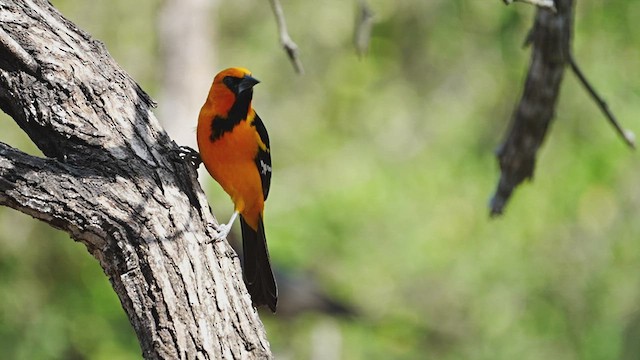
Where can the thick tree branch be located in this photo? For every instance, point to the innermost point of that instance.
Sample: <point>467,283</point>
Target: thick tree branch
<point>287,43</point>
<point>110,182</point>
<point>34,185</point>
<point>551,42</point>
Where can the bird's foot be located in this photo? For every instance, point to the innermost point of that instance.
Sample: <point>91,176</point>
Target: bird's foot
<point>223,231</point>
<point>185,153</point>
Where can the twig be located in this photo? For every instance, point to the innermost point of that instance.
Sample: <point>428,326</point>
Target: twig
<point>627,136</point>
<point>363,27</point>
<point>287,43</point>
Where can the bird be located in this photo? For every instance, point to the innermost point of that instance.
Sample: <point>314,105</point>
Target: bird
<point>234,147</point>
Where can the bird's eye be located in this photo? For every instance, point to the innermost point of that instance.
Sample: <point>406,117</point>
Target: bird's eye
<point>231,82</point>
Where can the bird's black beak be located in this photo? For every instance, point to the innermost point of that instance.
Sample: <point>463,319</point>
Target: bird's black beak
<point>247,83</point>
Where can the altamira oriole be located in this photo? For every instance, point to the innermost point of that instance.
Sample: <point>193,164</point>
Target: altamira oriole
<point>234,147</point>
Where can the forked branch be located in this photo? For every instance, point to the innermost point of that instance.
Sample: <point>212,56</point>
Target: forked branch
<point>550,38</point>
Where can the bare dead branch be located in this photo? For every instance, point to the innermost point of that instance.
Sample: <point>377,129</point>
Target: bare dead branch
<point>363,28</point>
<point>287,43</point>
<point>627,135</point>
<point>550,40</point>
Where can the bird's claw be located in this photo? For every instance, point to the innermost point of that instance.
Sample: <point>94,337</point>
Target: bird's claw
<point>223,231</point>
<point>185,153</point>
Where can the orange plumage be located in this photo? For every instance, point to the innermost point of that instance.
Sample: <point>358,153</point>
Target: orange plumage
<point>234,147</point>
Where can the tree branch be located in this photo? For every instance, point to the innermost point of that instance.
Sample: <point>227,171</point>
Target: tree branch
<point>108,180</point>
<point>627,136</point>
<point>289,46</point>
<point>551,41</point>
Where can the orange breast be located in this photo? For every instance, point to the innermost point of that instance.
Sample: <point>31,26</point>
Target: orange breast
<point>230,161</point>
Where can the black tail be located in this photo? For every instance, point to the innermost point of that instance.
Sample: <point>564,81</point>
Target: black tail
<point>257,270</point>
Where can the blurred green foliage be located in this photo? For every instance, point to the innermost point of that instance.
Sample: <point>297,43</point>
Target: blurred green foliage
<point>383,169</point>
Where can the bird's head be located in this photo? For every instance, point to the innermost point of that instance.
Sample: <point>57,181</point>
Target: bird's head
<point>236,79</point>
<point>231,86</point>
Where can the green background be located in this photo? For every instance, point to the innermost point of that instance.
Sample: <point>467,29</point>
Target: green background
<point>383,168</point>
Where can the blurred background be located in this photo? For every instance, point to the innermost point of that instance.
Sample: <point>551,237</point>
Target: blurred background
<point>383,168</point>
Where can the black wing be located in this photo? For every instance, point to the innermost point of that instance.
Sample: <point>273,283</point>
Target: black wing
<point>263,158</point>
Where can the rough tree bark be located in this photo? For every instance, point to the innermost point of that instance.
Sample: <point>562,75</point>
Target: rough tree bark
<point>108,180</point>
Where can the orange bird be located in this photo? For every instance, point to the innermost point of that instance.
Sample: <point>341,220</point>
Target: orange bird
<point>234,147</point>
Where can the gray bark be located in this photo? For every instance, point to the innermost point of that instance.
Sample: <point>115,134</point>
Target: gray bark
<point>108,180</point>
